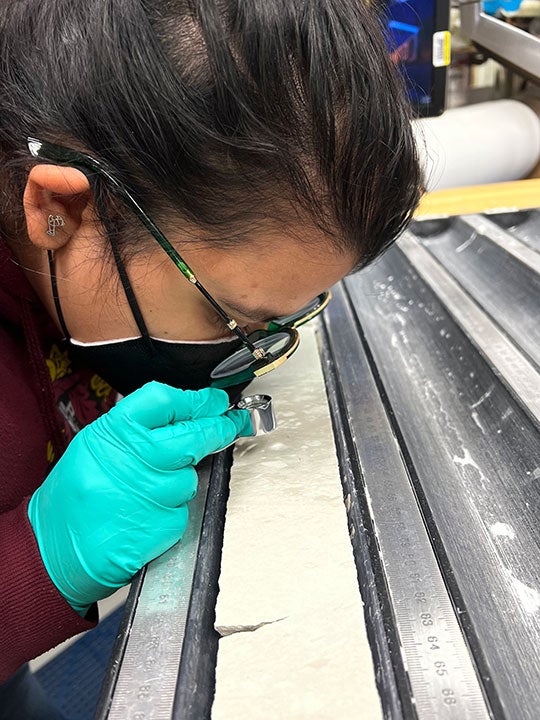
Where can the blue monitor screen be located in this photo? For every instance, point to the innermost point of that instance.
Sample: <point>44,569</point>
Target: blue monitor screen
<point>410,28</point>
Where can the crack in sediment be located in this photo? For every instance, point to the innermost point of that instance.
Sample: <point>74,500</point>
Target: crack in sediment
<point>225,630</point>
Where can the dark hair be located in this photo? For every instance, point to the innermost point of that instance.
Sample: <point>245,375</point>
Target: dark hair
<point>225,112</point>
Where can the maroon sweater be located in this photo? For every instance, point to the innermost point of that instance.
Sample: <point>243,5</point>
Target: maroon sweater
<point>44,400</point>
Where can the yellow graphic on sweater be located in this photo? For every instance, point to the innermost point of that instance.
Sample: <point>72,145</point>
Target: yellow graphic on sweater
<point>50,452</point>
<point>101,388</point>
<point>58,363</point>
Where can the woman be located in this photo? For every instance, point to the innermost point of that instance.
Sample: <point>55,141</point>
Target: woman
<point>261,145</point>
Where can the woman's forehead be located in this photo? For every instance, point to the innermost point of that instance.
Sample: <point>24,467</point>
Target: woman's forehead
<point>275,260</point>
<point>265,280</point>
<point>303,251</point>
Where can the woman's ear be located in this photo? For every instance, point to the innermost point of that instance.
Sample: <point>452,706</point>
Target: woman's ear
<point>55,190</point>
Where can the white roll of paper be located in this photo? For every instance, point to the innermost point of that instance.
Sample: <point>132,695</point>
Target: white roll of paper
<point>495,141</point>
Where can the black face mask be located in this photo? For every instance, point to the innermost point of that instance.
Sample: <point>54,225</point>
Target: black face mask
<point>128,364</point>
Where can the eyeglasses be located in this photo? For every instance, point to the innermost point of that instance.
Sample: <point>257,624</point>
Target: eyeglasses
<point>263,350</point>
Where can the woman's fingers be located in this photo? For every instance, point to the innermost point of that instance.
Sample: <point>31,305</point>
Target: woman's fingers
<point>157,405</point>
<point>186,443</point>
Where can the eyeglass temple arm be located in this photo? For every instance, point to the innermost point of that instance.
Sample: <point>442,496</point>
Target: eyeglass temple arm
<point>62,155</point>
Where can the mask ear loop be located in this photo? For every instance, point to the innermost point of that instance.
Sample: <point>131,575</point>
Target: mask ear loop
<point>124,279</point>
<point>54,286</point>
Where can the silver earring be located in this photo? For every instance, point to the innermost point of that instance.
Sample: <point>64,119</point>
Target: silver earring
<point>54,222</point>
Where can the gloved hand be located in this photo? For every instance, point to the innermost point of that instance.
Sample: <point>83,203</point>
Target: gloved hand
<point>117,497</point>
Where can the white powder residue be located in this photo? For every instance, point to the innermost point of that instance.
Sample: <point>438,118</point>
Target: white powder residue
<point>527,596</point>
<point>500,529</point>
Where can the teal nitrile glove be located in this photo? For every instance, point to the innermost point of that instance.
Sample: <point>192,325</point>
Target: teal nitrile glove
<point>117,497</point>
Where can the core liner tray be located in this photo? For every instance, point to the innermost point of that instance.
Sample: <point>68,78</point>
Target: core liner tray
<point>446,328</point>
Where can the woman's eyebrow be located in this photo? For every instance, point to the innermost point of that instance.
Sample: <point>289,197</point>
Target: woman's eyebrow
<point>260,314</point>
